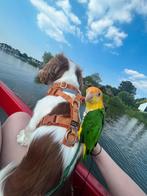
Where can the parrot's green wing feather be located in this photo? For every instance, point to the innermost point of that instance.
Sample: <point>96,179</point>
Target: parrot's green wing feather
<point>92,128</point>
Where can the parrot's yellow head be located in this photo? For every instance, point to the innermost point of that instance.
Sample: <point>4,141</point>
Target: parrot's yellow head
<point>94,98</point>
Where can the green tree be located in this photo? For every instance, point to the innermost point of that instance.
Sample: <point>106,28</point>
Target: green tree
<point>115,108</point>
<point>128,87</point>
<point>140,101</point>
<point>127,98</point>
<point>109,90</point>
<point>91,80</point>
<point>141,116</point>
<point>115,91</point>
<point>25,55</point>
<point>46,57</point>
<point>106,100</point>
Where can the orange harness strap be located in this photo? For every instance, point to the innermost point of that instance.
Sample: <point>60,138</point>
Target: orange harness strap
<point>72,122</point>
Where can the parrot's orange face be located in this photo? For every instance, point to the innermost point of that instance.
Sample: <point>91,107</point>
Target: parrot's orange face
<point>93,95</point>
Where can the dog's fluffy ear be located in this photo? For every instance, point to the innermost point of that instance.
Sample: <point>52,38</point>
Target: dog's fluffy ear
<point>54,69</point>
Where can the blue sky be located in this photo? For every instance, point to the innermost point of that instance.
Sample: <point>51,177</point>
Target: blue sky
<point>108,37</point>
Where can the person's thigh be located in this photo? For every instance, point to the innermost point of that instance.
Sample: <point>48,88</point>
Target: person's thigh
<point>10,149</point>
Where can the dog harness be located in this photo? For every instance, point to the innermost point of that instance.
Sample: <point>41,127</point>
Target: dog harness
<point>71,122</point>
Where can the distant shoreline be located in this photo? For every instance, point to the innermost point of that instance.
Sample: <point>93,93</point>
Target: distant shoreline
<point>22,56</point>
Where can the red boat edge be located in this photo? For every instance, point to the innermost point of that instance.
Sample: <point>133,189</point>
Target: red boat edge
<point>10,103</point>
<point>83,183</point>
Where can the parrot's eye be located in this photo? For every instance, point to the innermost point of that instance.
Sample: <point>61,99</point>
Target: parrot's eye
<point>99,94</point>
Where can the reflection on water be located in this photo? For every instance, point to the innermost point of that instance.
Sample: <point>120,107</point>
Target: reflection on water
<point>128,131</point>
<point>130,137</point>
<point>124,139</point>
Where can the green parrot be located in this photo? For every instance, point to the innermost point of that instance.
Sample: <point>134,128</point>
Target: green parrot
<point>92,125</point>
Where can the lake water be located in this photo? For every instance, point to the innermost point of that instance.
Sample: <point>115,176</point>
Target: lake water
<point>125,139</point>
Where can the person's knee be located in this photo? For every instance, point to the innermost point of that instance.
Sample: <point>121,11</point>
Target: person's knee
<point>18,117</point>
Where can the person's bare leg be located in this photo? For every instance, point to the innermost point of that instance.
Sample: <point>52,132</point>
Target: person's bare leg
<point>11,150</point>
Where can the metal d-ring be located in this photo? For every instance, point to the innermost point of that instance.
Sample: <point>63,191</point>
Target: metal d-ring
<point>63,85</point>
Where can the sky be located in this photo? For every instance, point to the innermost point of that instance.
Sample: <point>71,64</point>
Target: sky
<point>108,37</point>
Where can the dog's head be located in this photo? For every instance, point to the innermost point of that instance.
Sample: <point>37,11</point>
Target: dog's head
<point>61,69</point>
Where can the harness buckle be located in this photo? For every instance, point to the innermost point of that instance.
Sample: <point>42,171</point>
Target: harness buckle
<point>75,125</point>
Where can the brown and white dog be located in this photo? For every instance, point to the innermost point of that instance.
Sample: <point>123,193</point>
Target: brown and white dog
<point>47,157</point>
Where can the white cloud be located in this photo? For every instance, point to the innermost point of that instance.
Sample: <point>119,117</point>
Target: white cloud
<point>114,53</point>
<point>138,79</point>
<point>105,19</point>
<point>65,5</point>
<point>98,28</point>
<point>46,24</point>
<point>82,1</point>
<point>140,84</point>
<point>116,36</point>
<point>134,74</point>
<point>57,22</point>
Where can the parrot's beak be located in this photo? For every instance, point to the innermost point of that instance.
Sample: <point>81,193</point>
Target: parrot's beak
<point>92,98</point>
<point>88,97</point>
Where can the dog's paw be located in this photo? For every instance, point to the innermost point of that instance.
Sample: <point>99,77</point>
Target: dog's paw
<point>22,138</point>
